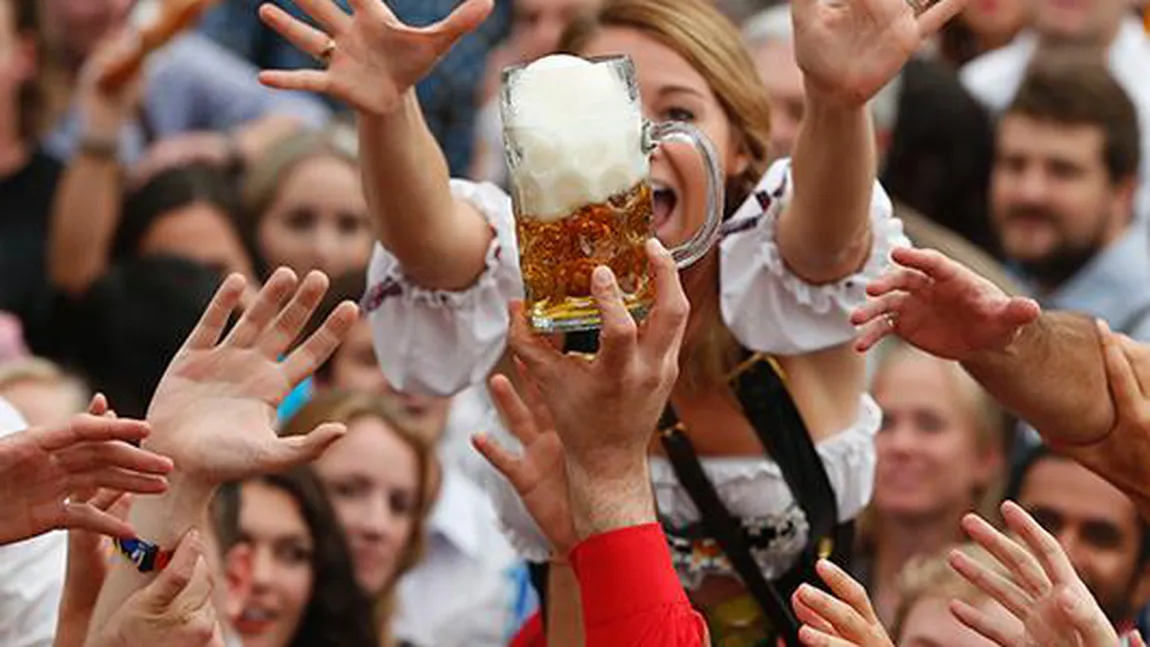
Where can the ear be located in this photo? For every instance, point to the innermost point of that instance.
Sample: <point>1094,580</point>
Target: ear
<point>738,160</point>
<point>989,466</point>
<point>1141,591</point>
<point>1125,190</point>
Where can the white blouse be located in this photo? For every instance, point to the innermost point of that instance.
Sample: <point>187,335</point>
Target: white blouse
<point>443,342</point>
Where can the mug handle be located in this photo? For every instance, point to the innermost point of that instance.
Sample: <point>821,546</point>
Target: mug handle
<point>653,136</point>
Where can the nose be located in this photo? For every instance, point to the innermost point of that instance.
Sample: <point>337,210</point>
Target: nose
<point>377,522</point>
<point>261,568</point>
<point>1071,543</point>
<point>1032,186</point>
<point>325,249</point>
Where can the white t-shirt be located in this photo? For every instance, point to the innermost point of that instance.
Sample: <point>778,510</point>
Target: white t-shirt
<point>31,574</point>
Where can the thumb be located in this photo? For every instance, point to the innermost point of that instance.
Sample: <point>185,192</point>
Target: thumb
<point>297,450</point>
<point>175,578</point>
<point>1020,311</point>
<point>465,19</point>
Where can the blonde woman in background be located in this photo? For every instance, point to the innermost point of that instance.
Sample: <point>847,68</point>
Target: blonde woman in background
<point>41,391</point>
<point>941,454</point>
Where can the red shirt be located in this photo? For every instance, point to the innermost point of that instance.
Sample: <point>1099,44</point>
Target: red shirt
<point>631,595</point>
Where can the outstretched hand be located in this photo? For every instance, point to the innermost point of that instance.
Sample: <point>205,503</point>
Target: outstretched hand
<point>214,409</point>
<point>850,49</point>
<point>47,475</point>
<point>372,58</point>
<point>842,618</point>
<point>1040,588</point>
<point>941,307</point>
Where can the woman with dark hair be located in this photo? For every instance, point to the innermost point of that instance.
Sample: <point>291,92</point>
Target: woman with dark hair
<point>302,586</point>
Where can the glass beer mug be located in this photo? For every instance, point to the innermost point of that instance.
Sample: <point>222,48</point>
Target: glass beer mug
<point>578,151</point>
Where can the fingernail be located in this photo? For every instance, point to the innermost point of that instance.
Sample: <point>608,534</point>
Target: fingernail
<point>602,276</point>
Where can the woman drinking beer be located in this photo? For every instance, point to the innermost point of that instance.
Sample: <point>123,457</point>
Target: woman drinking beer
<point>771,412</point>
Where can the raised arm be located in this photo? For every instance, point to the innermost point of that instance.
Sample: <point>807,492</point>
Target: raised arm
<point>374,62</point>
<point>86,210</point>
<point>1045,368</point>
<point>847,51</point>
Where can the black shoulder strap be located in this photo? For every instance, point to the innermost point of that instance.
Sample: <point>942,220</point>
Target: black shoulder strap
<point>725,529</point>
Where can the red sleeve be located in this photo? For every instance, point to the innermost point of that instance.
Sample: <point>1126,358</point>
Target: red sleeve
<point>631,595</point>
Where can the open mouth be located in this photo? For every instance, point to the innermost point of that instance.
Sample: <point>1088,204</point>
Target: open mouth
<point>255,620</point>
<point>663,201</point>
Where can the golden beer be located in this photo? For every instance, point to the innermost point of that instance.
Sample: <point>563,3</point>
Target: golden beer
<point>578,150</point>
<point>557,258</point>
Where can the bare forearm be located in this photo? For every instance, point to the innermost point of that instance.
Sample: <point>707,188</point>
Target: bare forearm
<point>84,220</point>
<point>1053,377</point>
<point>564,607</point>
<point>603,500</point>
<point>441,242</point>
<point>824,234</point>
<point>161,520</point>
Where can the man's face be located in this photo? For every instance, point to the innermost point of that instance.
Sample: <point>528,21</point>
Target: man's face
<point>784,83</point>
<point>1053,203</point>
<point>1089,22</point>
<point>79,25</point>
<point>1097,526</point>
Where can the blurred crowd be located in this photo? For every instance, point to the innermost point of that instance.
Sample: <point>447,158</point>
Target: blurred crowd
<point>358,506</point>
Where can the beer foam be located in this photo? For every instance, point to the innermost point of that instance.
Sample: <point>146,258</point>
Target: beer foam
<point>578,134</point>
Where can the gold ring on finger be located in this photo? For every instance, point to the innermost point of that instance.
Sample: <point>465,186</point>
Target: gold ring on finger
<point>326,53</point>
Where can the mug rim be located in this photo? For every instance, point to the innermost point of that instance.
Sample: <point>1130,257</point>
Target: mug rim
<point>511,70</point>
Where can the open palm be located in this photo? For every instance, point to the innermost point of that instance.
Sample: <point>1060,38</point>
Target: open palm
<point>940,307</point>
<point>852,48</point>
<point>214,409</point>
<point>376,58</point>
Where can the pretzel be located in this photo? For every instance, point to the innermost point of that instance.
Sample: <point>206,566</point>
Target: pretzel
<point>175,17</point>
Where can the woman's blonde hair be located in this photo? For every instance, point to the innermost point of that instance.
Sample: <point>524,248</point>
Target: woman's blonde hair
<point>348,406</point>
<point>713,46</point>
<point>42,371</point>
<point>929,577</point>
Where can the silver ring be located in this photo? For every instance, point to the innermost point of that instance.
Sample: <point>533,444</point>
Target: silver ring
<point>891,320</point>
<point>327,52</point>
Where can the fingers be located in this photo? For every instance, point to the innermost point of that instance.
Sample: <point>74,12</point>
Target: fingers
<point>993,583</point>
<point>538,357</point>
<point>903,279</point>
<point>814,638</point>
<point>809,616</point>
<point>105,499</point>
<point>1136,639</point>
<point>994,628</point>
<point>929,262</point>
<point>847,589</point>
<point>1016,559</point>
<point>518,418</point>
<point>256,318</point>
<point>291,321</point>
<point>663,331</point>
<point>171,581</point>
<point>1082,612</point>
<point>326,13</point>
<point>1042,544</point>
<point>879,307</point>
<point>847,622</point>
<point>618,336</point>
<point>119,479</point>
<point>1020,311</point>
<point>211,326</point>
<point>465,19</point>
<point>1124,384</point>
<point>303,36</point>
<point>89,456</point>
<point>932,20</point>
<point>297,450</point>
<point>98,405</point>
<point>508,464</point>
<point>533,397</point>
<point>315,81</point>
<point>873,333</point>
<point>87,516</point>
<point>313,352</point>
<point>89,428</point>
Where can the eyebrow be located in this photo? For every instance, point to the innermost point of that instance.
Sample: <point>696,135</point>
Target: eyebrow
<point>679,89</point>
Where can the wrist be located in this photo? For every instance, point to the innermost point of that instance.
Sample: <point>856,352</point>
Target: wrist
<point>608,495</point>
<point>163,519</point>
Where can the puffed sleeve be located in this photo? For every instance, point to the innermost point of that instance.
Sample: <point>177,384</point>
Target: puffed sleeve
<point>769,308</point>
<point>439,342</point>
